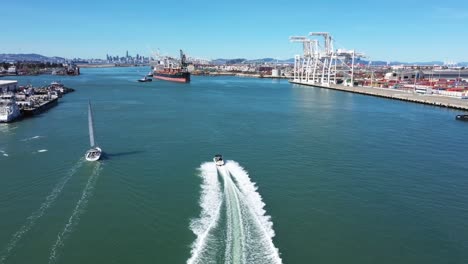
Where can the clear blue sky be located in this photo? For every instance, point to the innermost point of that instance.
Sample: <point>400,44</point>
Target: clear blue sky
<point>384,30</point>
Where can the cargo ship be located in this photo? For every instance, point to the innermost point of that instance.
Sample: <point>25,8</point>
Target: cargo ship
<point>170,69</point>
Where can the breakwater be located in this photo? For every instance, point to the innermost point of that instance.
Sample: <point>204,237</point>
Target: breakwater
<point>402,95</point>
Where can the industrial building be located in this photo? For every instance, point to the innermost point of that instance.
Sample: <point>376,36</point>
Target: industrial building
<point>8,86</point>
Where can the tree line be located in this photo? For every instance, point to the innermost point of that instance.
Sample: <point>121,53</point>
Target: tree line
<point>40,65</point>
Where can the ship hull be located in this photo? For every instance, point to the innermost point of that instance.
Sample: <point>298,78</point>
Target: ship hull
<point>181,77</point>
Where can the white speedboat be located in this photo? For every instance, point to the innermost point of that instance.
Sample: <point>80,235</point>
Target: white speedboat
<point>218,160</point>
<point>9,110</point>
<point>95,152</point>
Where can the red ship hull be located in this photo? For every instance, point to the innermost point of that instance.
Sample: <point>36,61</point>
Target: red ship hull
<point>181,77</point>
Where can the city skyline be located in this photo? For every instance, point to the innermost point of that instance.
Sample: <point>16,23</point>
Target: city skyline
<point>402,31</point>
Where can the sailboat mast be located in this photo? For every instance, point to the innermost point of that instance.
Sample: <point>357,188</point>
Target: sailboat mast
<point>90,125</point>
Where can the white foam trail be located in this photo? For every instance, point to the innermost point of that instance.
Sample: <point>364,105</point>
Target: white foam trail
<point>32,219</point>
<point>77,212</point>
<point>253,202</point>
<point>210,203</point>
<point>246,231</point>
<point>235,234</point>
<point>31,138</point>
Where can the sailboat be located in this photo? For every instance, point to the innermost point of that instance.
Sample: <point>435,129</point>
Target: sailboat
<point>95,152</point>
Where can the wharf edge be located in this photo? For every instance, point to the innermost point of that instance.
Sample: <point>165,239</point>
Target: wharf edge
<point>435,100</point>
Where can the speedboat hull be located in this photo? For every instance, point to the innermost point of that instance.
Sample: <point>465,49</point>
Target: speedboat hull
<point>218,160</point>
<point>93,154</point>
<point>462,117</point>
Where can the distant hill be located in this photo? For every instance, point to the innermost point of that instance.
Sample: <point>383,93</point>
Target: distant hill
<point>407,63</point>
<point>381,63</point>
<point>242,60</point>
<point>29,57</point>
<point>42,58</point>
<point>227,61</point>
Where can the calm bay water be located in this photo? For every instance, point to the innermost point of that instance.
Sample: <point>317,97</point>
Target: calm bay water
<point>345,178</point>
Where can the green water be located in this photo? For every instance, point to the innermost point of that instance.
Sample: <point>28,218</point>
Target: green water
<point>345,178</point>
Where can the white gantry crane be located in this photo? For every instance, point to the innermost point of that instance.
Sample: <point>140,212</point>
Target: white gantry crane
<point>321,63</point>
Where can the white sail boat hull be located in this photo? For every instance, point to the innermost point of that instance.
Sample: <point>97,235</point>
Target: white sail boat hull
<point>93,154</point>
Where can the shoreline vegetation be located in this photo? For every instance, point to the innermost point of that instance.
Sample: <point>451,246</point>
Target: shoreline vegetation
<point>37,68</point>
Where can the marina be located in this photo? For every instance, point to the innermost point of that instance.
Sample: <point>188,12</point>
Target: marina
<point>27,101</point>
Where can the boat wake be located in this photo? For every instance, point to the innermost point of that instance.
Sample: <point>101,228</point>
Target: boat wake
<point>210,202</point>
<point>32,219</point>
<point>77,212</point>
<point>233,226</point>
<point>31,138</point>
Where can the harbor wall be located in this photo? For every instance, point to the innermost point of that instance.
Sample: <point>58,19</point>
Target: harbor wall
<point>436,100</point>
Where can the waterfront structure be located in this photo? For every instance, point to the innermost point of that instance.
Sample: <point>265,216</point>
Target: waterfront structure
<point>403,75</point>
<point>8,86</point>
<point>275,73</point>
<point>321,64</point>
<point>28,101</point>
<point>12,70</point>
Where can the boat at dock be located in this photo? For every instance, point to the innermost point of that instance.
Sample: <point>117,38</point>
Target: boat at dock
<point>95,152</point>
<point>9,110</point>
<point>37,106</point>
<point>170,69</point>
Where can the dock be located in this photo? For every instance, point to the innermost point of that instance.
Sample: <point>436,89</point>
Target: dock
<point>402,95</point>
<point>39,108</point>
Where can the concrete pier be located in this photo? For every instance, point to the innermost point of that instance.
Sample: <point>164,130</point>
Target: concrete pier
<point>436,100</point>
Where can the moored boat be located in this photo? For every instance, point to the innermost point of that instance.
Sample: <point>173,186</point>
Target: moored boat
<point>9,110</point>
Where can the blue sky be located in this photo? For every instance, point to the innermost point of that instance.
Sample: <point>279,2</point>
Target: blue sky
<point>384,30</point>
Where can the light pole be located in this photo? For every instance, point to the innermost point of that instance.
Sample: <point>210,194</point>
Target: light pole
<point>415,76</point>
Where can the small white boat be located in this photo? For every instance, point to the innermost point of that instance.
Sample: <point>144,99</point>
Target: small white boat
<point>95,152</point>
<point>218,160</point>
<point>145,79</point>
<point>9,109</point>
